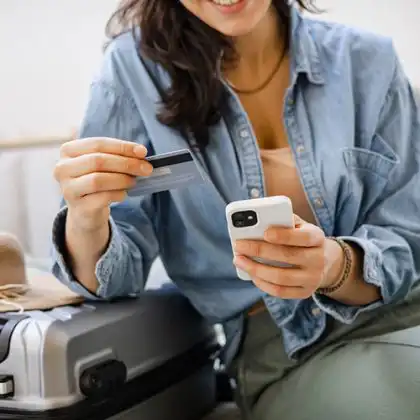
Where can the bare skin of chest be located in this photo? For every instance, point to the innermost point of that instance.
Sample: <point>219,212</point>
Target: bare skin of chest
<point>265,111</point>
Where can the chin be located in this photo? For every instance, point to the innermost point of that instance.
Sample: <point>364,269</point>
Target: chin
<point>233,18</point>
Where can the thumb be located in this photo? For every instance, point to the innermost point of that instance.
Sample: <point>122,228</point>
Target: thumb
<point>298,221</point>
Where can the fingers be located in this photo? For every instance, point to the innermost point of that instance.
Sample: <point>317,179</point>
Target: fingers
<point>292,255</point>
<point>298,221</point>
<point>101,162</point>
<point>106,145</point>
<point>290,277</point>
<point>305,235</point>
<point>99,165</point>
<point>278,276</point>
<point>96,183</point>
<point>281,291</point>
<point>95,172</point>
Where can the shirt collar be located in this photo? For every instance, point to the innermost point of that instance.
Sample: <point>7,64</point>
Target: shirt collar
<point>305,53</point>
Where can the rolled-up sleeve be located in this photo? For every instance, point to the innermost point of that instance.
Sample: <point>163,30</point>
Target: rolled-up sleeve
<point>124,267</point>
<point>390,232</point>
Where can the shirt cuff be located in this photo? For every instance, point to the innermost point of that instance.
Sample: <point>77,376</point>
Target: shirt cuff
<point>372,262</point>
<point>62,270</point>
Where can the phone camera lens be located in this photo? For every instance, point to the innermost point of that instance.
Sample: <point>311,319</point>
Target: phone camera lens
<point>242,219</point>
<point>238,220</point>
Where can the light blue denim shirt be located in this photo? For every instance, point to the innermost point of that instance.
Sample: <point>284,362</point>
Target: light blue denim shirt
<point>354,130</point>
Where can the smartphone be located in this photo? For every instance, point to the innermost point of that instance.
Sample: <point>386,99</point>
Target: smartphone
<point>249,219</point>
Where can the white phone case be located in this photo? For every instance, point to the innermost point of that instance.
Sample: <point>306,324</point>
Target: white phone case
<point>271,211</point>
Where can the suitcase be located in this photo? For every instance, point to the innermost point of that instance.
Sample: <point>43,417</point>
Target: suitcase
<point>150,358</point>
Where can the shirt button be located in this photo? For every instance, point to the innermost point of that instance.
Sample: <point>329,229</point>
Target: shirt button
<point>300,148</point>
<point>255,193</point>
<point>318,202</point>
<point>316,311</point>
<point>244,134</point>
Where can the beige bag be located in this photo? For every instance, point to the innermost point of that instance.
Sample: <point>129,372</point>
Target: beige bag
<point>24,289</point>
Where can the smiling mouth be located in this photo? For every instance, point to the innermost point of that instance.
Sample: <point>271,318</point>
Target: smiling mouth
<point>229,6</point>
<point>226,2</point>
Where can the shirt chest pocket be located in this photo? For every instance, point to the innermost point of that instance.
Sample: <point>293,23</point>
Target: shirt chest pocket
<point>369,170</point>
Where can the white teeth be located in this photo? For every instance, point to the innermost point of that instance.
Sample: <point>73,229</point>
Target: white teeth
<point>226,2</point>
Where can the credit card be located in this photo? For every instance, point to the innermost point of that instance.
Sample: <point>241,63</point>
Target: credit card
<point>170,171</point>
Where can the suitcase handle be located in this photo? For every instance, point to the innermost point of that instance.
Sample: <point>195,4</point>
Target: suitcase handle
<point>8,322</point>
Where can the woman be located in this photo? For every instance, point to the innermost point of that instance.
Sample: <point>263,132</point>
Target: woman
<point>270,103</point>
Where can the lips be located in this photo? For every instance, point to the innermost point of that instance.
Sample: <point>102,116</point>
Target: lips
<point>226,2</point>
<point>229,6</point>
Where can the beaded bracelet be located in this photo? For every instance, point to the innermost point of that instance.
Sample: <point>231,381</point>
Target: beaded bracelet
<point>348,263</point>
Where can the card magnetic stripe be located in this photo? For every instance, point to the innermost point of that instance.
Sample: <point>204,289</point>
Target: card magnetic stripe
<point>161,161</point>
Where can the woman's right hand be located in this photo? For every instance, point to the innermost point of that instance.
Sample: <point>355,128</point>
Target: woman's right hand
<point>95,172</point>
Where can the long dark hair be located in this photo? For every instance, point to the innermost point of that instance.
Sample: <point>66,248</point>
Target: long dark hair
<point>189,51</point>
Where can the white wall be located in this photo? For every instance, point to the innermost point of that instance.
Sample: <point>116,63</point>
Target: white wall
<point>399,19</point>
<point>49,51</point>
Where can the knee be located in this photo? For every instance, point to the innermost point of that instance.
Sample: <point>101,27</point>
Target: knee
<point>365,380</point>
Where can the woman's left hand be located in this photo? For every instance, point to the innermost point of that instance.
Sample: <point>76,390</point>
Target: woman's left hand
<point>315,260</point>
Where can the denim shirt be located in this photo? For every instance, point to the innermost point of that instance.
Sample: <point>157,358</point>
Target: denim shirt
<point>354,130</point>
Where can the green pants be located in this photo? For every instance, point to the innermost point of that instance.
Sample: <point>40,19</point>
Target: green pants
<point>369,370</point>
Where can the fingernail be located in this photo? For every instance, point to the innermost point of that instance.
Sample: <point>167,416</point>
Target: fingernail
<point>140,150</point>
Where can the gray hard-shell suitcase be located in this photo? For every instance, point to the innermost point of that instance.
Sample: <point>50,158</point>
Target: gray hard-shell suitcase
<point>150,358</point>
